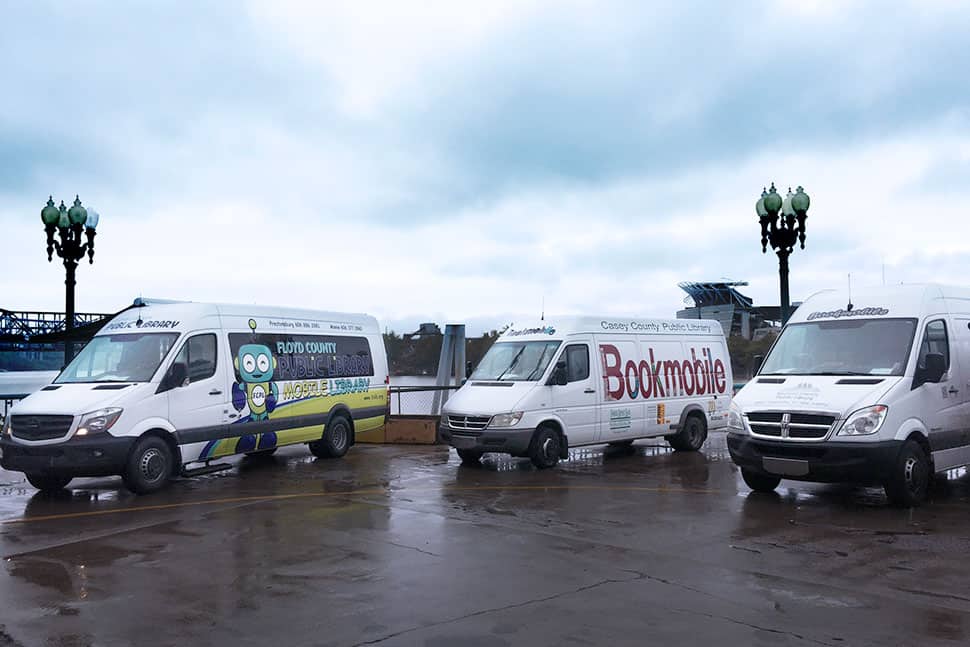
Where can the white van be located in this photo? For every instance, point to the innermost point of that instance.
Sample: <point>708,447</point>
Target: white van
<point>165,388</point>
<point>873,389</point>
<point>591,380</point>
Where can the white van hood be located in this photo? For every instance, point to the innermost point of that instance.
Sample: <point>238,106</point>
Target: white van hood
<point>77,399</point>
<point>823,393</point>
<point>487,398</point>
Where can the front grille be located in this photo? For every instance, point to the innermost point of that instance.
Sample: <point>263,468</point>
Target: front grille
<point>803,426</point>
<point>468,422</point>
<point>40,427</point>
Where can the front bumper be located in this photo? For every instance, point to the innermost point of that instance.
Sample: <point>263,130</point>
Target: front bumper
<point>505,441</point>
<point>868,463</point>
<point>101,455</point>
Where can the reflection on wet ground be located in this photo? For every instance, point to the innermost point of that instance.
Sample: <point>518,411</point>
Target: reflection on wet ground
<point>403,545</point>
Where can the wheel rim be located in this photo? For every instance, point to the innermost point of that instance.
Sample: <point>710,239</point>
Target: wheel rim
<point>338,437</point>
<point>913,473</point>
<point>549,449</point>
<point>693,432</point>
<point>152,465</point>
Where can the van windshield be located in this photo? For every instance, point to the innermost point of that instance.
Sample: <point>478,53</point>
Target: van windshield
<point>119,358</point>
<point>517,361</point>
<point>850,347</point>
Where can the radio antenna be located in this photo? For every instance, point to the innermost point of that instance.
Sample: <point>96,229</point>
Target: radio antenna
<point>542,315</point>
<point>849,306</point>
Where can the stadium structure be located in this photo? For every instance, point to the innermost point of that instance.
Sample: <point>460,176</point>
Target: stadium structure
<point>735,311</point>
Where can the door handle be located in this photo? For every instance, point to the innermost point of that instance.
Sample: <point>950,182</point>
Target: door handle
<point>215,392</point>
<point>954,389</point>
<point>589,391</point>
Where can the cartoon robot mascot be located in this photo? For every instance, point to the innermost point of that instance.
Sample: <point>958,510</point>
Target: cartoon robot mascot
<point>255,365</point>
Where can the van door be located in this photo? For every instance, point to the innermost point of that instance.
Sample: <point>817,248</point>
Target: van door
<point>200,405</point>
<point>622,411</point>
<point>949,439</point>
<point>575,402</point>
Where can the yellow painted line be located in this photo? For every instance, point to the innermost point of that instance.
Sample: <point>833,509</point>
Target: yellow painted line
<point>309,495</point>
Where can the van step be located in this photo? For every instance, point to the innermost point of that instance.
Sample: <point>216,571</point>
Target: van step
<point>206,469</point>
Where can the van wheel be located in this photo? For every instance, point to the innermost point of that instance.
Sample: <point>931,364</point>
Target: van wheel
<point>469,456</point>
<point>760,482</point>
<point>909,480</point>
<point>546,448</point>
<point>48,482</point>
<point>335,440</point>
<point>691,436</point>
<point>149,466</point>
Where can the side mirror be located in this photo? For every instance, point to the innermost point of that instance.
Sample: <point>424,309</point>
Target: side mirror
<point>177,375</point>
<point>933,371</point>
<point>559,375</point>
<point>468,369</point>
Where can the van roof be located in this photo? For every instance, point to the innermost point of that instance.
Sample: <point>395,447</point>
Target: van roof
<point>190,314</point>
<point>903,300</point>
<point>561,326</point>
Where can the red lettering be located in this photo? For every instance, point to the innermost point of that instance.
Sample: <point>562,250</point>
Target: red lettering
<point>699,373</point>
<point>688,371</point>
<point>611,370</point>
<point>646,381</point>
<point>658,389</point>
<point>631,379</point>
<point>674,377</point>
<point>720,379</point>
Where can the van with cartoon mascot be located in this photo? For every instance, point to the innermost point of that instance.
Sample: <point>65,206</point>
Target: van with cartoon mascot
<point>166,388</point>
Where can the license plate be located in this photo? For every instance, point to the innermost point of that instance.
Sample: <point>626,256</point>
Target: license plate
<point>785,466</point>
<point>463,442</point>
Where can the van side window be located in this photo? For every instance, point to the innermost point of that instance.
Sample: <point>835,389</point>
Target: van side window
<point>577,362</point>
<point>199,356</point>
<point>934,341</point>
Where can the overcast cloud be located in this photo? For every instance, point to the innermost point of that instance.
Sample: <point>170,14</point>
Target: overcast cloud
<point>464,161</point>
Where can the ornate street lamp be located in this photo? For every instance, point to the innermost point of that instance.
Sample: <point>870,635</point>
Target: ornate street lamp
<point>782,232</point>
<point>69,225</point>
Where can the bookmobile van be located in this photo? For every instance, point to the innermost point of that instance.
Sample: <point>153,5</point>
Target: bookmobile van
<point>165,388</point>
<point>872,389</point>
<point>591,380</point>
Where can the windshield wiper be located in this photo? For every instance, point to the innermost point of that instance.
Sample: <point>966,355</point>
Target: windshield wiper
<point>512,364</point>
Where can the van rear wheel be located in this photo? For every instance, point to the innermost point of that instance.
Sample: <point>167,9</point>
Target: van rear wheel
<point>691,436</point>
<point>909,481</point>
<point>760,482</point>
<point>48,482</point>
<point>335,440</point>
<point>546,448</point>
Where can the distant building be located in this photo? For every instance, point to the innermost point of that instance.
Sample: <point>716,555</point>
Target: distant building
<point>34,341</point>
<point>735,311</point>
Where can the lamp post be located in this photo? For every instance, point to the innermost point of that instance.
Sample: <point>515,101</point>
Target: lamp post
<point>782,232</point>
<point>69,225</point>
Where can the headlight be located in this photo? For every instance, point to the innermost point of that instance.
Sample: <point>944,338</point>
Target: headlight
<point>505,419</point>
<point>98,421</point>
<point>735,417</point>
<point>864,421</point>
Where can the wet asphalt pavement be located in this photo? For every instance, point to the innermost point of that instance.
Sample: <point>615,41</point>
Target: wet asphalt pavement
<point>398,545</point>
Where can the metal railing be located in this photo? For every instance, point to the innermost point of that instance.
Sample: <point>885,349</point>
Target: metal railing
<point>417,400</point>
<point>7,400</point>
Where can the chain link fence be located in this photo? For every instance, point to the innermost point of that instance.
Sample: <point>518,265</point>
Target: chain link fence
<point>418,400</point>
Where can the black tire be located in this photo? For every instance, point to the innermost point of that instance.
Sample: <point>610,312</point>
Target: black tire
<point>909,481</point>
<point>149,466</point>
<point>335,441</point>
<point>546,448</point>
<point>48,482</point>
<point>760,482</point>
<point>469,456</point>
<point>691,436</point>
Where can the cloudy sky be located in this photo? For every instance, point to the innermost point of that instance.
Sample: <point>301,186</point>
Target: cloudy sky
<point>464,161</point>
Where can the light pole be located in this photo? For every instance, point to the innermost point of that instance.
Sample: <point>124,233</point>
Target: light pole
<point>782,232</point>
<point>69,224</point>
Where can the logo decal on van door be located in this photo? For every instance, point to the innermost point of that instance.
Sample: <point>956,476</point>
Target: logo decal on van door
<point>698,374</point>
